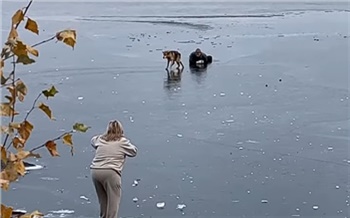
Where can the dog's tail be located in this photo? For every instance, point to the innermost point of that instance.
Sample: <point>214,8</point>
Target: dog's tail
<point>209,59</point>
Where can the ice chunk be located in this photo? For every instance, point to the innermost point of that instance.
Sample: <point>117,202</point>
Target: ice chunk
<point>84,198</point>
<point>180,206</point>
<point>135,199</point>
<point>315,207</point>
<point>160,205</point>
<point>80,98</point>
<point>222,94</point>
<point>264,201</point>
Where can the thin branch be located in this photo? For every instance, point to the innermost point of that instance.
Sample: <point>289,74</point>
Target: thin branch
<point>8,147</point>
<point>13,76</point>
<point>36,44</point>
<point>55,139</point>
<point>33,106</point>
<point>44,41</point>
<point>8,84</point>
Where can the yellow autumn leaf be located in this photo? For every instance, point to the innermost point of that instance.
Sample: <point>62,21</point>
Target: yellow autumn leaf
<point>51,147</point>
<point>20,168</point>
<point>20,48</point>
<point>4,130</point>
<point>25,60</point>
<point>4,184</point>
<point>17,17</point>
<point>14,125</point>
<point>3,78</point>
<point>13,34</point>
<point>31,25</point>
<point>3,154</point>
<point>34,214</point>
<point>67,36</point>
<point>33,51</point>
<point>25,130</point>
<point>67,139</point>
<point>21,89</point>
<point>18,143</point>
<point>7,110</point>
<point>10,172</point>
<point>6,212</point>
<point>22,154</point>
<point>46,110</point>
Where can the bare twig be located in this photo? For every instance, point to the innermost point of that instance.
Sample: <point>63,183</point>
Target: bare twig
<point>33,106</point>
<point>55,139</point>
<point>44,41</point>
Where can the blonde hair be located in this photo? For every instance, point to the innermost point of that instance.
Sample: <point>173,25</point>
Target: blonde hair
<point>114,131</point>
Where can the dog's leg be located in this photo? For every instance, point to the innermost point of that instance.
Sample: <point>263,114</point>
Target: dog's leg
<point>172,64</point>
<point>167,66</point>
<point>179,63</point>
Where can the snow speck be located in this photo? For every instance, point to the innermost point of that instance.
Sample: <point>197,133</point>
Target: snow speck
<point>160,205</point>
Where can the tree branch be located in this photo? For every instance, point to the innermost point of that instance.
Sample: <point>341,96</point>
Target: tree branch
<point>55,139</point>
<point>33,106</point>
<point>13,76</point>
<point>8,84</point>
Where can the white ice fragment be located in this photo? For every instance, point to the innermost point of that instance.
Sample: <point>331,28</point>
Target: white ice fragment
<point>160,205</point>
<point>62,211</point>
<point>242,93</point>
<point>315,207</point>
<point>135,199</point>
<point>80,98</point>
<point>229,121</point>
<point>84,198</point>
<point>180,206</point>
<point>240,148</point>
<point>49,178</point>
<point>264,201</point>
<point>135,183</point>
<point>330,148</point>
<point>179,135</point>
<point>222,94</point>
<point>235,201</point>
<point>252,141</point>
<point>337,187</point>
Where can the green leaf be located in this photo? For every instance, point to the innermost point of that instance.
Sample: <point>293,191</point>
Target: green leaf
<point>50,92</point>
<point>80,127</point>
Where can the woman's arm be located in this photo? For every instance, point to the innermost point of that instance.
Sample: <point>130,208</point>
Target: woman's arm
<point>93,142</point>
<point>129,149</point>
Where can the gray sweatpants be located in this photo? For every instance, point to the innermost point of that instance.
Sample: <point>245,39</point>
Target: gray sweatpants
<point>107,183</point>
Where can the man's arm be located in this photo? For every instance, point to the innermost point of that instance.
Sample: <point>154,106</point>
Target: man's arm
<point>193,59</point>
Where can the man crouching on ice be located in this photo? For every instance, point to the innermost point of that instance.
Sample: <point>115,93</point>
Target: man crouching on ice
<point>198,59</point>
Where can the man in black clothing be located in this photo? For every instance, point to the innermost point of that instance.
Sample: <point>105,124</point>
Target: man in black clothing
<point>198,59</point>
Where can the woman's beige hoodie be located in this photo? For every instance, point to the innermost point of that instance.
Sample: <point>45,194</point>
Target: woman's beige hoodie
<point>111,154</point>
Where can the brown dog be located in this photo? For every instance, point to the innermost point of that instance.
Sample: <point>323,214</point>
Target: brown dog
<point>173,56</point>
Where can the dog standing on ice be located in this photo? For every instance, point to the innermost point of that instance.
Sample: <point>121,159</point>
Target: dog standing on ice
<point>173,56</point>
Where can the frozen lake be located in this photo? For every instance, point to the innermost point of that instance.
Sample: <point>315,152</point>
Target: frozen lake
<point>264,132</point>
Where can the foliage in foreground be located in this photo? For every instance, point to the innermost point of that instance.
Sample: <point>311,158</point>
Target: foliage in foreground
<point>16,132</point>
